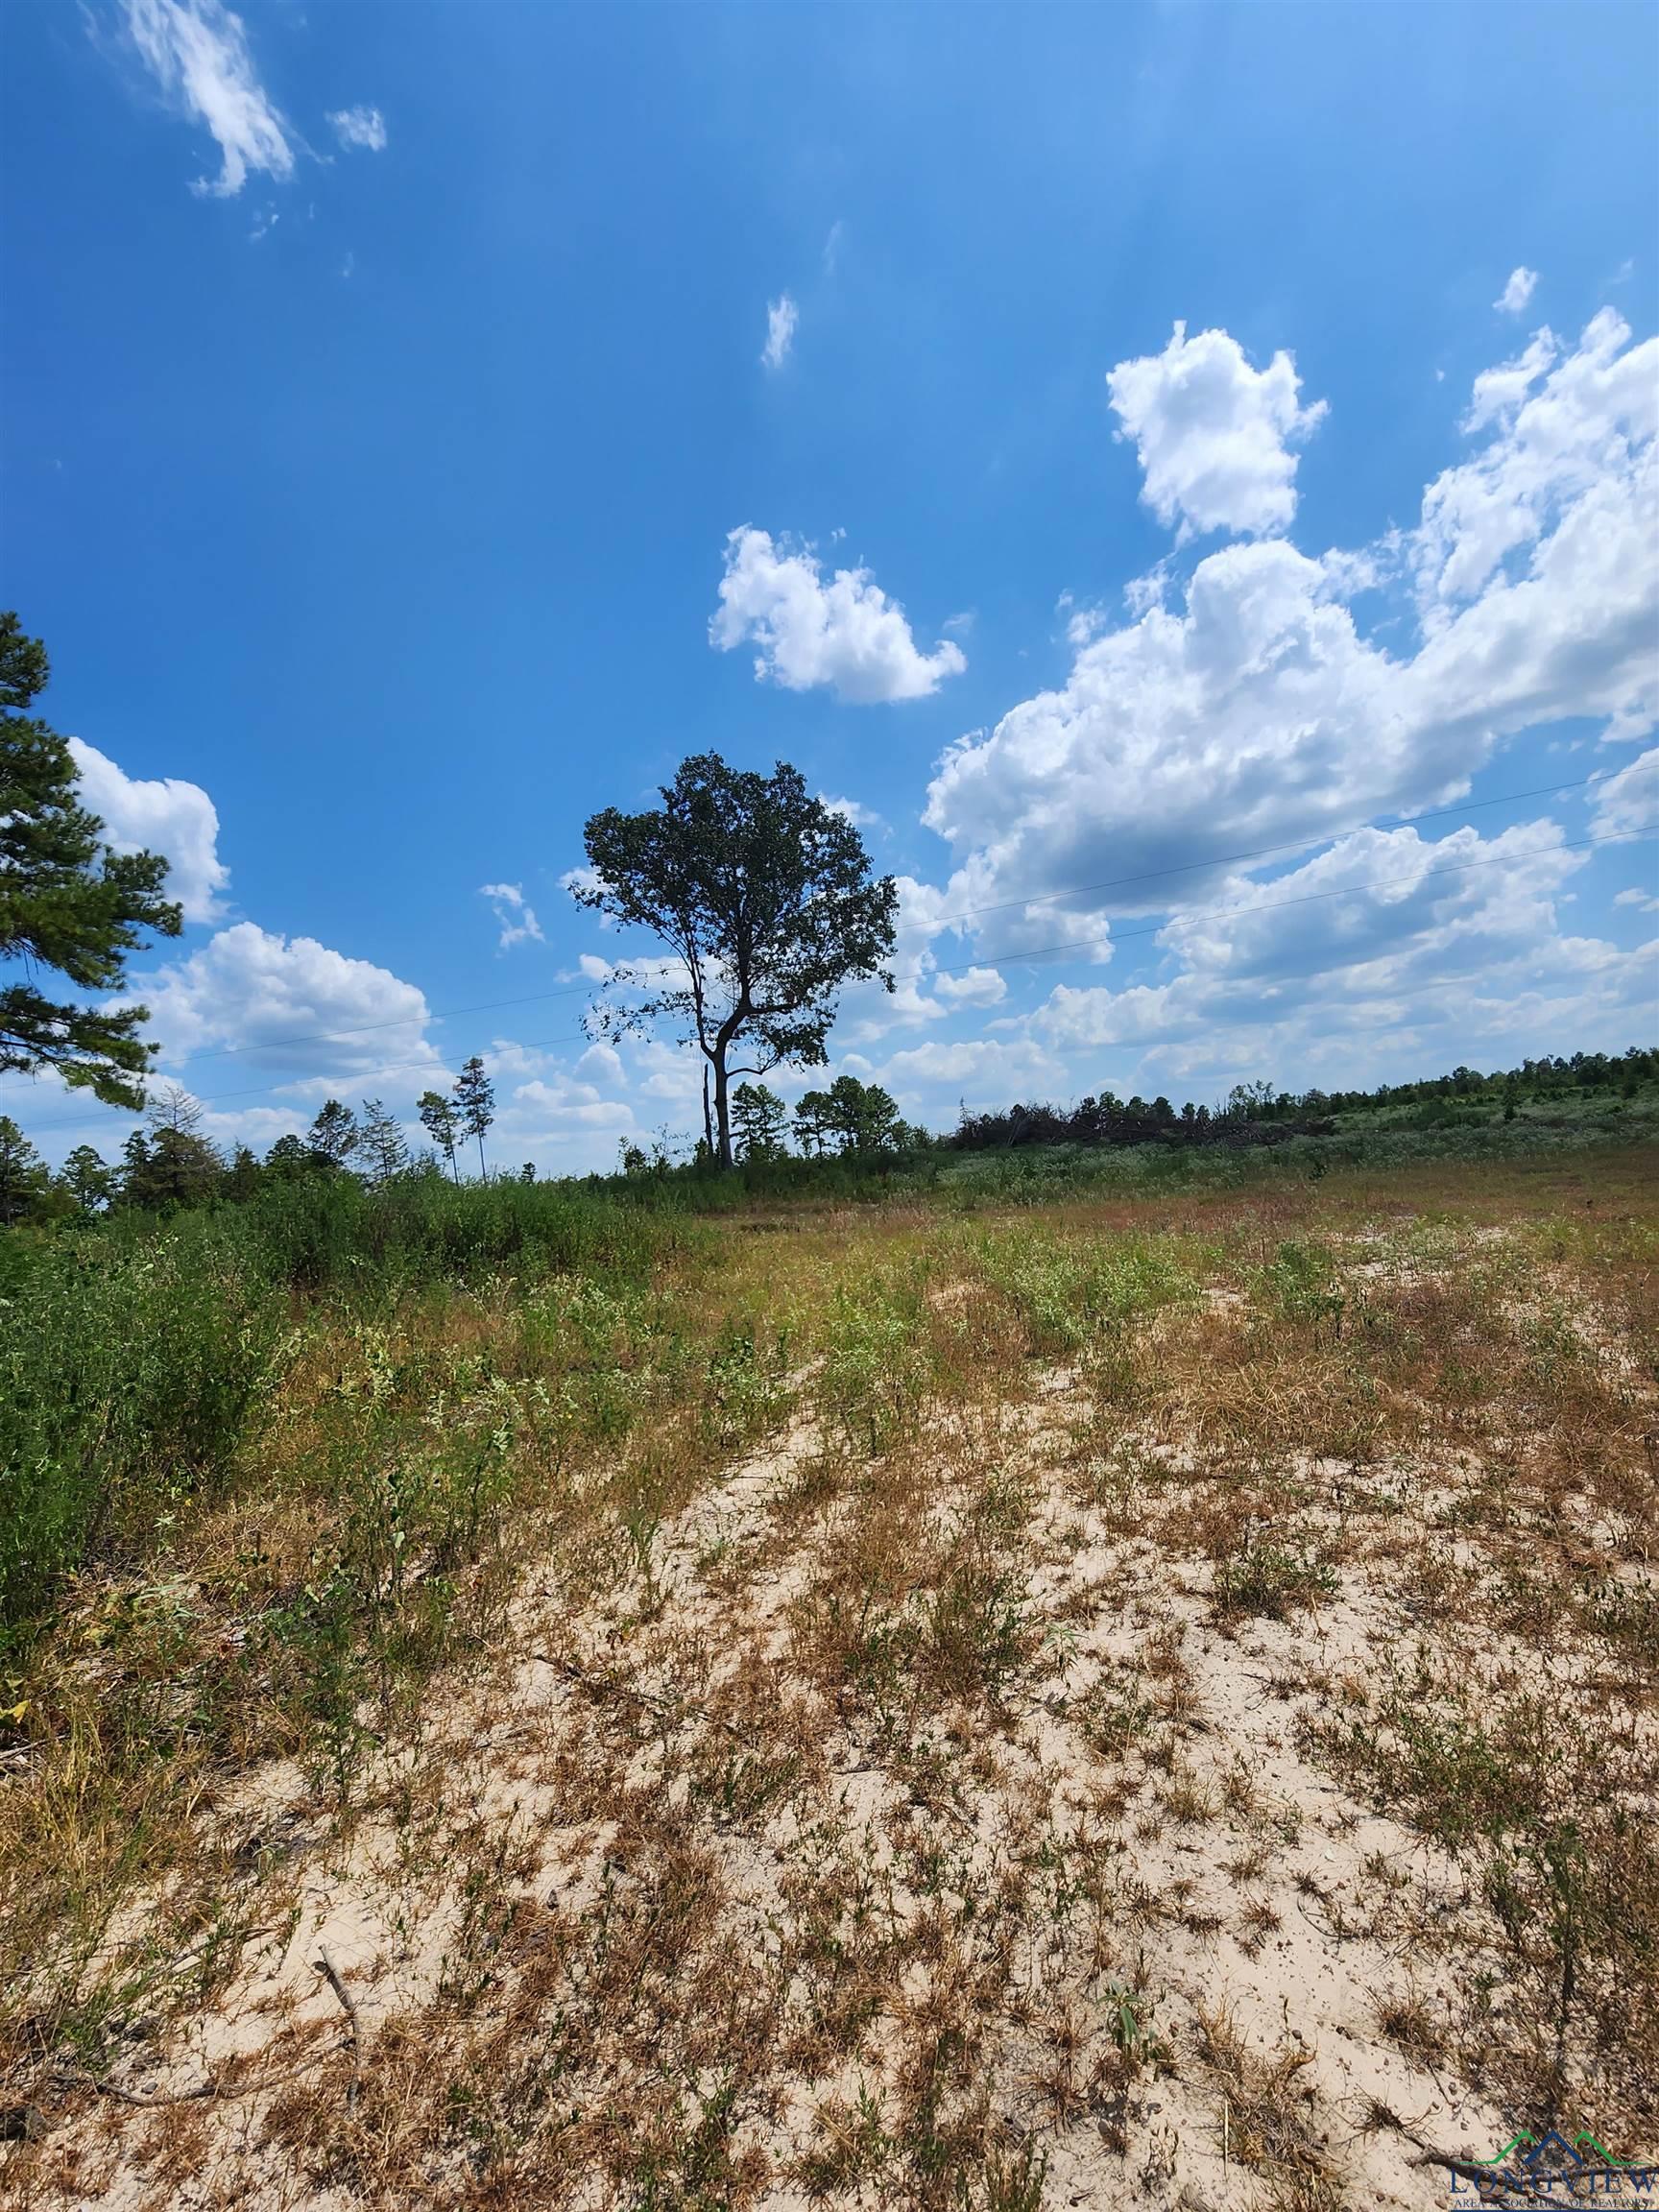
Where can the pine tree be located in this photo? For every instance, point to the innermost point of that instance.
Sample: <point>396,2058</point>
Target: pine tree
<point>171,1167</point>
<point>765,897</point>
<point>813,1118</point>
<point>380,1143</point>
<point>89,1179</point>
<point>861,1114</point>
<point>172,1107</point>
<point>333,1135</point>
<point>244,1175</point>
<point>24,1180</point>
<point>440,1119</point>
<point>757,1118</point>
<point>290,1158</point>
<point>475,1100</point>
<point>68,903</point>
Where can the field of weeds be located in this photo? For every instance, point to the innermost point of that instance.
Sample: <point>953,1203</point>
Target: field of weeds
<point>1135,1699</point>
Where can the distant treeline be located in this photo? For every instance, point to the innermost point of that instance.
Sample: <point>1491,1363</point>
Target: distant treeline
<point>1257,1114</point>
<point>169,1167</point>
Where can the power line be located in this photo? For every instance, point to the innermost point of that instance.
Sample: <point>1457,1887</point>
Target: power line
<point>1033,953</point>
<point>941,922</point>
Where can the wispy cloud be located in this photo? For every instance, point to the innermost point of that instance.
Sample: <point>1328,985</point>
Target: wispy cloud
<point>1517,293</point>
<point>197,51</point>
<point>781,317</point>
<point>518,920</point>
<point>360,130</point>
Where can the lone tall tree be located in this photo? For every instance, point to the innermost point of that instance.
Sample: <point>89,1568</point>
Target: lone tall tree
<point>475,1103</point>
<point>68,904</point>
<point>441,1119</point>
<point>766,899</point>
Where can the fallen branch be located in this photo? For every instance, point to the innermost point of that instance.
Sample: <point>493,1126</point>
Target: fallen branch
<point>325,1966</point>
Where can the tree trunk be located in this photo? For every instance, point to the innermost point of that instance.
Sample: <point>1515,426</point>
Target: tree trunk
<point>708,1124</point>
<point>722,1108</point>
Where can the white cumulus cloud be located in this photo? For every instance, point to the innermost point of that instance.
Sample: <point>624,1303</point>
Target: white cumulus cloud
<point>288,1004</point>
<point>1255,711</point>
<point>781,317</point>
<point>840,629</point>
<point>1570,455</point>
<point>1517,292</point>
<point>1213,435</point>
<point>972,987</point>
<point>197,51</point>
<point>517,919</point>
<point>1368,932</point>
<point>164,815</point>
<point>359,130</point>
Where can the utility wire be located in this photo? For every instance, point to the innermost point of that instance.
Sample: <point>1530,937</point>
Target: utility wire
<point>1032,952</point>
<point>941,922</point>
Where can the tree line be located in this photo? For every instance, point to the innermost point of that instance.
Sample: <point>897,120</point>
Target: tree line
<point>1261,1113</point>
<point>848,1120</point>
<point>768,906</point>
<point>169,1164</point>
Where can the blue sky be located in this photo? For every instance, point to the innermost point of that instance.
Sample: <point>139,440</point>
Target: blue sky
<point>1161,434</point>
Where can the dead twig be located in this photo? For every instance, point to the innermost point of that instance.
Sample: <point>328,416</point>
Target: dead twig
<point>325,1966</point>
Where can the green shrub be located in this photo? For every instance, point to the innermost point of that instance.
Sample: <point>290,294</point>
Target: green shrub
<point>135,1354</point>
<point>127,1371</point>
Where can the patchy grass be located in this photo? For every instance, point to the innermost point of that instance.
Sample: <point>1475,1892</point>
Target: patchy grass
<point>1112,1699</point>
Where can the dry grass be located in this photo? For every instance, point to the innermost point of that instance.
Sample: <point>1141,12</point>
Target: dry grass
<point>1075,1706</point>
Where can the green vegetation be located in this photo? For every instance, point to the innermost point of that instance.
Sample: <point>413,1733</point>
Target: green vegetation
<point>1544,1091</point>
<point>68,905</point>
<point>134,1352</point>
<point>786,1652</point>
<point>853,1147</point>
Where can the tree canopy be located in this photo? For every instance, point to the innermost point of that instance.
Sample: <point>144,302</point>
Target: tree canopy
<point>68,905</point>
<point>758,1115</point>
<point>860,1117</point>
<point>767,901</point>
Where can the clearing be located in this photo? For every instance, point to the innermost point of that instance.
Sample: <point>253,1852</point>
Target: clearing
<point>1139,1698</point>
